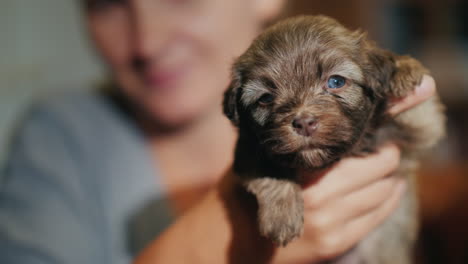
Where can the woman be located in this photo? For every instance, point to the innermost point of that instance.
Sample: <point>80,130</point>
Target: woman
<point>97,178</point>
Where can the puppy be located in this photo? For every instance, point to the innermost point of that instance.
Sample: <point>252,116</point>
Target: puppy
<point>309,92</point>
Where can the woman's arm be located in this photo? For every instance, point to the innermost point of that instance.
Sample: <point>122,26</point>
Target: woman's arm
<point>221,228</point>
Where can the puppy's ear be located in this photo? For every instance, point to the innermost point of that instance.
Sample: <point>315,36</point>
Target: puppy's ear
<point>391,75</point>
<point>231,97</point>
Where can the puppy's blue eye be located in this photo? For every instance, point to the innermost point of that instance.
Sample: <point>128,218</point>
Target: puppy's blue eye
<point>266,99</point>
<point>336,81</point>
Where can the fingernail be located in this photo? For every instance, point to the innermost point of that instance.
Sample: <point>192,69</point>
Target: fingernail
<point>391,149</point>
<point>426,88</point>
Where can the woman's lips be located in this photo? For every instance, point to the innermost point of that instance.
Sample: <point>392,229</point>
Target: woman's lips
<point>166,79</point>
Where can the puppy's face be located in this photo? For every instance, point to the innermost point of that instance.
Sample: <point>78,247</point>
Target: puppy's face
<point>301,90</point>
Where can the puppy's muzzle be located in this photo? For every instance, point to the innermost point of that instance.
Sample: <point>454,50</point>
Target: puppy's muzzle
<point>305,125</point>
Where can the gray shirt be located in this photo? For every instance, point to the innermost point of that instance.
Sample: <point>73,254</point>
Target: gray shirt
<point>79,185</point>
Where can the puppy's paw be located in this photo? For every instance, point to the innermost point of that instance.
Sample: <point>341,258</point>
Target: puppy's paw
<point>281,209</point>
<point>281,225</point>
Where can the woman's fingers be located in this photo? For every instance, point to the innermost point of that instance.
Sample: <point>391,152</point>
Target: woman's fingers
<point>355,204</point>
<point>351,174</point>
<point>334,243</point>
<point>424,91</point>
<point>363,225</point>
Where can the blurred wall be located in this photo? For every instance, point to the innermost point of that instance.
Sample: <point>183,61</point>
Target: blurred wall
<point>42,47</point>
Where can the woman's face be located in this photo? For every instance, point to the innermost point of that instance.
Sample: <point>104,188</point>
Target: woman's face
<point>172,57</point>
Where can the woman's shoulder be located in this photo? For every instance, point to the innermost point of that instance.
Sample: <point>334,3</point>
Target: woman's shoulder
<point>83,125</point>
<point>79,107</point>
<point>81,115</point>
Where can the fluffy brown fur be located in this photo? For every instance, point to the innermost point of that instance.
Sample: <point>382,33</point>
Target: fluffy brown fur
<point>282,79</point>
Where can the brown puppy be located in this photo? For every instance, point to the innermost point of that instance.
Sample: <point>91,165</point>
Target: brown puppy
<point>309,92</point>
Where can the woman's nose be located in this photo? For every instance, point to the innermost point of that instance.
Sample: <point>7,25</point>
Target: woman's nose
<point>150,31</point>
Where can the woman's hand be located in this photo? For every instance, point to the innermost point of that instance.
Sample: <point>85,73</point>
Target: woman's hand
<point>346,202</point>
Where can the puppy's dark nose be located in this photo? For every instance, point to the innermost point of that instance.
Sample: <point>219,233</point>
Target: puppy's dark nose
<point>304,125</point>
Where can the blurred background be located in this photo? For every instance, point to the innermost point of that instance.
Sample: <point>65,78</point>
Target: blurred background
<point>43,47</point>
